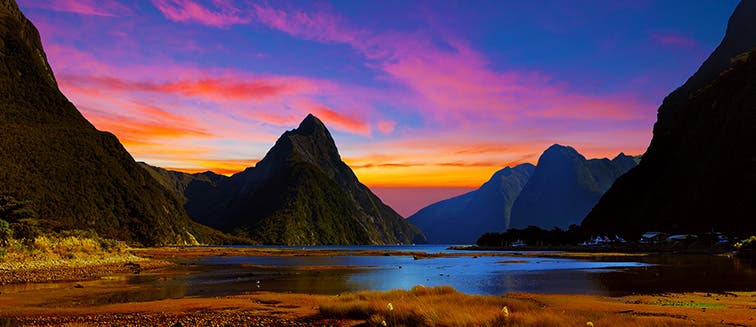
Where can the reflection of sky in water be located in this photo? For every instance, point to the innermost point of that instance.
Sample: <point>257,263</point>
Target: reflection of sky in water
<point>482,275</point>
<point>220,276</point>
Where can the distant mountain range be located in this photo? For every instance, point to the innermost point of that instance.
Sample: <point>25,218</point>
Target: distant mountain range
<point>699,172</point>
<point>564,187</point>
<point>559,192</point>
<point>462,219</point>
<point>299,193</point>
<point>72,175</point>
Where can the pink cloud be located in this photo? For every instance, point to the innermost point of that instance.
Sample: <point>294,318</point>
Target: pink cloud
<point>189,11</point>
<point>674,40</point>
<point>110,8</point>
<point>387,126</point>
<point>318,26</point>
<point>451,83</point>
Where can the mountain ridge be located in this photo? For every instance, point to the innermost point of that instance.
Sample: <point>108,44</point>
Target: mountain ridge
<point>710,118</point>
<point>499,204</point>
<point>487,208</point>
<point>65,169</point>
<point>301,193</point>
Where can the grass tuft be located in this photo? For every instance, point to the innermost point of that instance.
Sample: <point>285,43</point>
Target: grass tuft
<point>444,306</point>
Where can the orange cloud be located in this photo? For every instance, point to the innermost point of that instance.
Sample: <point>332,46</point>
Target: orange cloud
<point>215,88</point>
<point>345,121</point>
<point>219,166</point>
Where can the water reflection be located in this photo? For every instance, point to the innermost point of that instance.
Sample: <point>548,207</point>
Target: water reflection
<point>611,276</point>
<point>681,273</point>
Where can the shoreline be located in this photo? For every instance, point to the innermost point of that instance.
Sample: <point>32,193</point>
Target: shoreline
<point>137,260</point>
<point>597,250</point>
<point>62,301</point>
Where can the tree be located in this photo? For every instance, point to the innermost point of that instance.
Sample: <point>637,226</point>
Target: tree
<point>13,210</point>
<point>5,233</point>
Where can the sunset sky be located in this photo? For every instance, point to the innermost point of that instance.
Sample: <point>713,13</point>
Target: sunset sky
<point>432,96</point>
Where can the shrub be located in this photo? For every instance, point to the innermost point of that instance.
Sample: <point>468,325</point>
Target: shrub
<point>746,244</point>
<point>5,233</point>
<point>25,232</point>
<point>14,210</point>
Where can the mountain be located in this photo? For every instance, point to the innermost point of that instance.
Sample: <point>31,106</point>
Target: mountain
<point>462,219</point>
<point>52,158</point>
<point>178,182</point>
<point>564,187</point>
<point>299,193</point>
<point>699,172</point>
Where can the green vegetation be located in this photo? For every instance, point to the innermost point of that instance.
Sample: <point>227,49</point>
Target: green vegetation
<point>58,171</point>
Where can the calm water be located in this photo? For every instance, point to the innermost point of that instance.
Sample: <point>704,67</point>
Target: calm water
<point>218,276</point>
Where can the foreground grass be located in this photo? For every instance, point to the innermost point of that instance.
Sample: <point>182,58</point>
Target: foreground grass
<point>444,306</point>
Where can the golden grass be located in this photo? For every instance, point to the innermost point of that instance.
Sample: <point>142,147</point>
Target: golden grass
<point>444,306</point>
<point>423,306</point>
<point>54,248</point>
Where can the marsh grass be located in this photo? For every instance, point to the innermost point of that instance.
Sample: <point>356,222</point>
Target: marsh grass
<point>444,306</point>
<point>423,306</point>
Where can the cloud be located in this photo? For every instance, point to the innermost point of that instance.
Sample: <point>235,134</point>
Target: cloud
<point>449,79</point>
<point>227,88</point>
<point>444,75</point>
<point>673,40</point>
<point>347,122</point>
<point>107,8</point>
<point>387,126</point>
<point>188,11</point>
<point>450,102</point>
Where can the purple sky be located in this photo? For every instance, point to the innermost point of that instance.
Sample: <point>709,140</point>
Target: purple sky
<point>417,94</point>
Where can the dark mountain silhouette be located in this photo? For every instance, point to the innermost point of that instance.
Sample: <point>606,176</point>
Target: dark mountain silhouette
<point>299,193</point>
<point>699,172</point>
<point>564,187</point>
<point>462,219</point>
<point>52,158</point>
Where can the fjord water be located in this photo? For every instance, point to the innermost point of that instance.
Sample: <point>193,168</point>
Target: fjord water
<point>488,275</point>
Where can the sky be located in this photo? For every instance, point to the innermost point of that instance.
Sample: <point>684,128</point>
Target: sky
<point>425,99</point>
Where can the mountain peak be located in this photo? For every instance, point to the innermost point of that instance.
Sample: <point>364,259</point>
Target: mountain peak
<point>558,153</point>
<point>621,155</point>
<point>310,125</point>
<point>560,148</point>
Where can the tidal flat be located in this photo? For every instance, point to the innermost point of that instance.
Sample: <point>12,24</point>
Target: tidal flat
<point>424,285</point>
